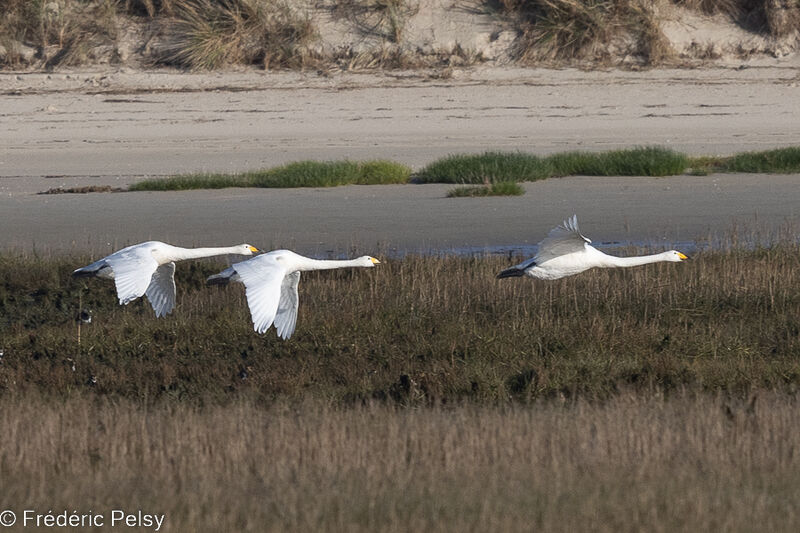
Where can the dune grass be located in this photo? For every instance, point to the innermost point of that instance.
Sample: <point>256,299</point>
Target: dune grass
<point>209,34</point>
<point>500,188</point>
<point>558,31</point>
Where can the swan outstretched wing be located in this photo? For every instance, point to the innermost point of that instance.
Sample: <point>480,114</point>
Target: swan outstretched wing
<point>562,240</point>
<point>133,270</point>
<point>286,318</point>
<point>263,278</point>
<point>161,291</point>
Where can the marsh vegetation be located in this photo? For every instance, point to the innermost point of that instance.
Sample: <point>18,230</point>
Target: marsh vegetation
<point>421,394</point>
<point>417,330</point>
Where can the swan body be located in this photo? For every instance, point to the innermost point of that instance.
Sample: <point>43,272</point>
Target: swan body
<point>566,252</point>
<point>148,268</point>
<point>271,281</point>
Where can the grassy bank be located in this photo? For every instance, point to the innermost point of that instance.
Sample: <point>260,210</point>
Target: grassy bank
<point>420,330</point>
<point>496,170</point>
<point>687,463</point>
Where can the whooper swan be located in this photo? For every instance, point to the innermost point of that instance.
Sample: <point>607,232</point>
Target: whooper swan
<point>148,268</point>
<point>566,252</point>
<point>271,281</point>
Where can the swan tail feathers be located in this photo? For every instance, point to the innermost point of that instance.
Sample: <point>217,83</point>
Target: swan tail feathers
<point>512,272</point>
<point>98,268</point>
<point>223,278</point>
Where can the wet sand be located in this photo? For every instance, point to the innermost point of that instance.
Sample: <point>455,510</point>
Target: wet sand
<point>115,127</point>
<point>385,218</point>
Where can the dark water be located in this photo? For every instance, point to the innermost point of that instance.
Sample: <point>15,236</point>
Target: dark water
<point>529,250</point>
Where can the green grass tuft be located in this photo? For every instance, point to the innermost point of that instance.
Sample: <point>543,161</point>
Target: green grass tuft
<point>778,161</point>
<point>489,167</point>
<point>299,174</point>
<point>782,160</point>
<point>493,167</point>
<point>501,188</point>
<point>643,161</point>
<point>187,182</point>
<point>332,173</point>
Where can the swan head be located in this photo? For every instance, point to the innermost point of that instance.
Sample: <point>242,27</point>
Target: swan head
<point>247,249</point>
<point>675,256</point>
<point>368,261</point>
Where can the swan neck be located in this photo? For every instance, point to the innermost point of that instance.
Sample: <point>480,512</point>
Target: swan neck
<point>328,264</point>
<point>636,260</point>
<point>182,254</point>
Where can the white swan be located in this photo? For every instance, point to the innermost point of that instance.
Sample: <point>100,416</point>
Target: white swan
<point>148,268</point>
<point>271,281</point>
<point>566,252</point>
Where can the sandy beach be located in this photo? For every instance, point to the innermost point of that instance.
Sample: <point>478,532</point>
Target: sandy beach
<point>116,126</point>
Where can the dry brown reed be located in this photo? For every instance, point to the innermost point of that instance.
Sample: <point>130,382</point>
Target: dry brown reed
<point>687,463</point>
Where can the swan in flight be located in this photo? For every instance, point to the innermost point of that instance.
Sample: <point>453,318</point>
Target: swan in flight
<point>271,281</point>
<point>148,268</point>
<point>566,252</point>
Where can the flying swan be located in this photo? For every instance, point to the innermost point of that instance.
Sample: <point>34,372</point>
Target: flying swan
<point>271,281</point>
<point>148,268</point>
<point>566,252</point>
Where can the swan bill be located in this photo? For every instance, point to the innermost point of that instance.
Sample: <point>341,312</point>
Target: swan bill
<point>512,272</point>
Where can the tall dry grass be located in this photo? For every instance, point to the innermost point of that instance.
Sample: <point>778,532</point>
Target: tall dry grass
<point>686,463</point>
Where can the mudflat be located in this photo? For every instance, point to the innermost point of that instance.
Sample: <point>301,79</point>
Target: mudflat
<point>386,218</point>
<point>112,127</point>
